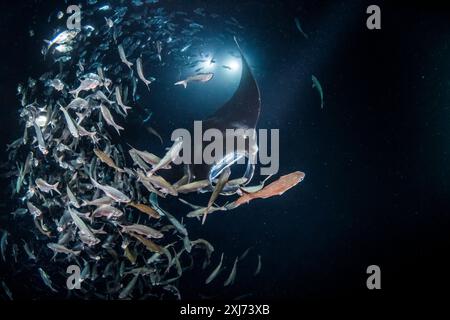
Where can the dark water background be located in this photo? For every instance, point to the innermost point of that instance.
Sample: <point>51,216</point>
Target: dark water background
<point>375,157</point>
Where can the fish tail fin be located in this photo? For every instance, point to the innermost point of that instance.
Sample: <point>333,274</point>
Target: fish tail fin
<point>55,187</point>
<point>231,206</point>
<point>182,82</point>
<point>118,128</point>
<point>125,110</point>
<point>49,44</point>
<point>205,214</point>
<point>95,183</point>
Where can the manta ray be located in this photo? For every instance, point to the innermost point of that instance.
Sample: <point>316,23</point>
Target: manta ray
<point>241,111</point>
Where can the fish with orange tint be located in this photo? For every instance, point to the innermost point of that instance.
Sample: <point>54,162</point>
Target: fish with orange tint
<point>276,188</point>
<point>145,209</point>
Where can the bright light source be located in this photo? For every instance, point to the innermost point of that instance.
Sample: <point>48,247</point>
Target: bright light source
<point>234,65</point>
<point>209,64</point>
<point>41,120</point>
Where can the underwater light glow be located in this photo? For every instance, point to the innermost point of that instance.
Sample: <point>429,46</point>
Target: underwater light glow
<point>208,65</point>
<point>234,65</point>
<point>41,120</point>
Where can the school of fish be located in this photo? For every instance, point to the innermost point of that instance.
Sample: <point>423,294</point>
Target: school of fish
<point>91,201</point>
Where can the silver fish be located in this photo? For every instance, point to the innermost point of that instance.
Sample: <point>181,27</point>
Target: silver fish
<point>7,291</point>
<point>109,119</point>
<point>120,102</point>
<point>159,49</point>
<point>232,276</point>
<point>35,212</point>
<point>223,178</point>
<point>299,27</point>
<point>101,96</point>
<point>107,211</point>
<point>140,72</point>
<point>137,160</point>
<point>46,279</point>
<point>201,77</point>
<point>109,22</point>
<point>63,37</point>
<point>73,200</point>
<point>89,237</point>
<point>19,212</point>
<point>215,272</point>
<point>98,202</point>
<point>172,219</point>
<point>28,251</point>
<point>40,139</point>
<point>57,84</point>
<point>160,182</point>
<point>100,73</point>
<point>4,243</point>
<point>129,288</point>
<point>58,248</point>
<point>15,252</point>
<point>244,254</point>
<point>143,230</point>
<point>170,156</point>
<point>155,133</point>
<point>63,48</point>
<point>111,192</point>
<point>193,186</point>
<point>123,57</point>
<point>44,186</point>
<point>253,189</point>
<point>209,247</point>
<point>148,157</point>
<point>200,211</point>
<point>258,268</point>
<point>86,85</point>
<point>84,133</point>
<point>187,244</point>
<point>70,124</point>
<point>78,103</point>
<point>316,84</point>
<point>20,178</point>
